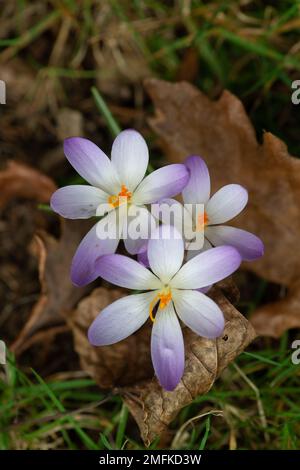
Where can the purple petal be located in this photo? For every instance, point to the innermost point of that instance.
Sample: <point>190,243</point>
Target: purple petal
<point>142,256</point>
<point>165,252</point>
<point>199,313</point>
<point>207,268</point>
<point>130,157</point>
<point>92,164</point>
<point>167,348</point>
<point>204,290</point>
<point>126,272</point>
<point>120,319</point>
<point>91,248</point>
<point>163,183</point>
<point>226,203</point>
<point>77,202</point>
<point>248,245</point>
<point>197,191</point>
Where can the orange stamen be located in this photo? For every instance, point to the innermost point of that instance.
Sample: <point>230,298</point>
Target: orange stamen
<point>115,201</point>
<point>164,297</point>
<point>202,221</point>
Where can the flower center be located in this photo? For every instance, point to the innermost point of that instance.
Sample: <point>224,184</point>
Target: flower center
<point>123,196</point>
<point>164,297</point>
<point>202,221</point>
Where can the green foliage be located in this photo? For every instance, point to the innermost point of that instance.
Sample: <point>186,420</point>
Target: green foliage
<point>256,399</point>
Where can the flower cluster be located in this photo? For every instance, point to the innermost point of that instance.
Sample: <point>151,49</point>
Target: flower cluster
<point>172,278</point>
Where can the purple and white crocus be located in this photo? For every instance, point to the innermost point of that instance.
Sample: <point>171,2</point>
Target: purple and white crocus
<point>114,182</point>
<point>172,290</point>
<point>211,212</point>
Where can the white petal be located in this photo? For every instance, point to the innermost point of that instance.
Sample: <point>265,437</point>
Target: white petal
<point>77,201</point>
<point>226,203</point>
<point>163,183</point>
<point>130,157</point>
<point>165,252</point>
<point>126,272</point>
<point>207,268</point>
<point>120,319</point>
<point>199,312</point>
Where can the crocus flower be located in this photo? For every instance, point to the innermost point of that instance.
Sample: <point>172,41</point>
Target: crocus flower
<point>113,183</point>
<point>171,288</point>
<point>214,211</point>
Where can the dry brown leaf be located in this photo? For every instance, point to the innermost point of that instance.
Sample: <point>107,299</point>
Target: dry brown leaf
<point>275,318</point>
<point>58,295</point>
<point>19,180</point>
<point>188,123</point>
<point>126,366</point>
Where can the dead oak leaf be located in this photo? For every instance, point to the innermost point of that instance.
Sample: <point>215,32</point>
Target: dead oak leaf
<point>189,123</point>
<point>58,295</point>
<point>126,366</point>
<point>19,180</point>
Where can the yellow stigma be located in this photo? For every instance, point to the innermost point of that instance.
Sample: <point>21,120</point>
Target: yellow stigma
<point>164,297</point>
<point>202,221</point>
<point>123,196</point>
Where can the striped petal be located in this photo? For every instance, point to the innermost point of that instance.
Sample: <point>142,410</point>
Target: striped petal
<point>92,164</point>
<point>130,157</point>
<point>167,348</point>
<point>77,202</point>
<point>197,191</point>
<point>199,312</point>
<point>207,268</point>
<point>120,319</point>
<point>226,203</point>
<point>248,245</point>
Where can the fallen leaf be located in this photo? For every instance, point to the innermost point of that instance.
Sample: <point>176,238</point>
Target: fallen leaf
<point>276,317</point>
<point>19,180</point>
<point>126,366</point>
<point>58,295</point>
<point>188,122</point>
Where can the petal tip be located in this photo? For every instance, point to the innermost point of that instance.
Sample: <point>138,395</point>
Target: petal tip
<point>92,336</point>
<point>191,159</point>
<point>258,251</point>
<point>169,387</point>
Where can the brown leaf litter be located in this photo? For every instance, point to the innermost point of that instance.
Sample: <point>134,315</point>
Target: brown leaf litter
<point>58,295</point>
<point>189,123</point>
<point>126,366</point>
<point>21,181</point>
